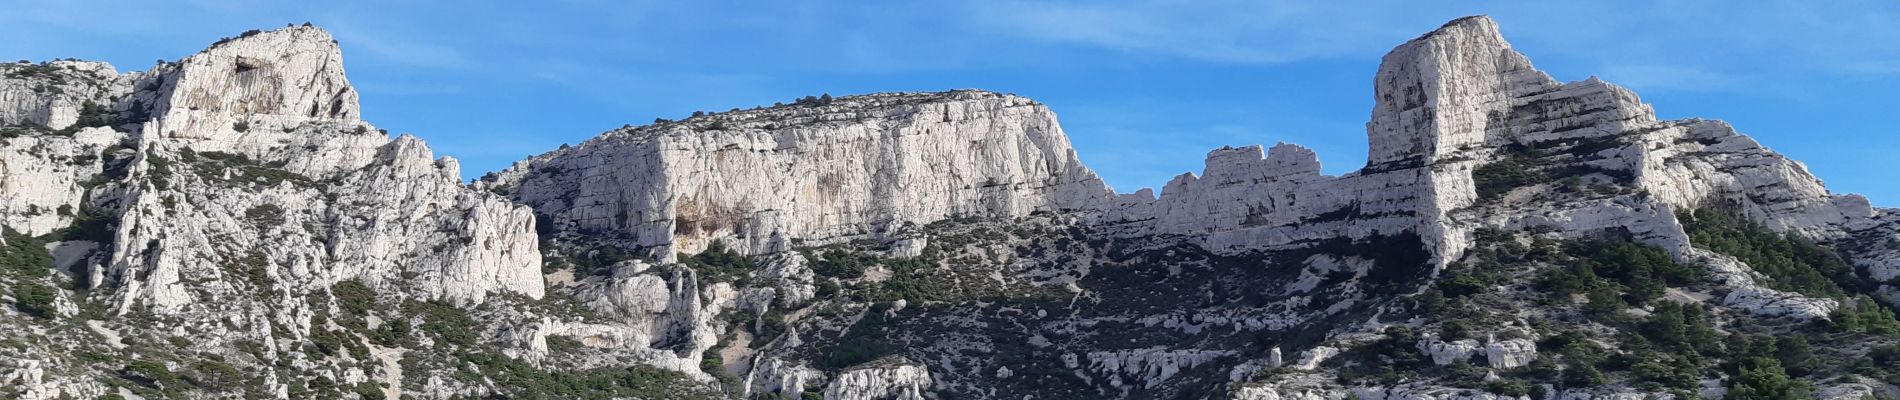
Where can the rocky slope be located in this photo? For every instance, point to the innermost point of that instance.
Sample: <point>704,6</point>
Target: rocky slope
<point>225,226</point>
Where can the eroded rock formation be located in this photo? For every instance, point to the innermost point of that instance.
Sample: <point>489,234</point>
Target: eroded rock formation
<point>230,216</point>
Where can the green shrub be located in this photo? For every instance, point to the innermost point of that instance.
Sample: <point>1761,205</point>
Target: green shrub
<point>563,344</point>
<point>90,115</point>
<point>1516,168</point>
<point>1580,374</point>
<point>519,379</point>
<point>1615,274</point>
<point>446,321</point>
<point>354,298</point>
<point>1863,315</point>
<point>91,224</point>
<point>1389,360</point>
<point>1459,285</point>
<point>395,332</point>
<point>1790,262</point>
<point>1508,387</point>
<point>1763,378</point>
<point>841,264</point>
<point>862,342</point>
<point>24,256</point>
<point>214,375</point>
<point>265,215</point>
<point>34,298</point>
<point>1605,306</point>
<point>1884,359</point>
<point>1454,330</point>
<point>149,373</point>
<point>1674,325</point>
<point>369,390</point>
<point>253,268</point>
<point>596,261</point>
<point>1671,372</point>
<point>719,263</point>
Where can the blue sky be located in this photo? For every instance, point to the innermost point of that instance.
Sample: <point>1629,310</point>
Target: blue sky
<point>1144,88</point>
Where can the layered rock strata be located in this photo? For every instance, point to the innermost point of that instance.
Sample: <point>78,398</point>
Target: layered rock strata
<point>766,180</point>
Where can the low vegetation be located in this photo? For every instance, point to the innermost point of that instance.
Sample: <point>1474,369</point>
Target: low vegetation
<point>1614,274</point>
<point>719,264</point>
<point>1790,262</point>
<point>1514,168</point>
<point>1609,318</point>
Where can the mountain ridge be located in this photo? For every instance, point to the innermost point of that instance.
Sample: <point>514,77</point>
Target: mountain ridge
<point>226,225</point>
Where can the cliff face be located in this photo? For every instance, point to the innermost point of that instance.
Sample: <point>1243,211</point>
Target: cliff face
<point>766,180</point>
<point>1457,99</point>
<point>256,141</point>
<point>1441,99</point>
<point>227,226</point>
<point>227,194</point>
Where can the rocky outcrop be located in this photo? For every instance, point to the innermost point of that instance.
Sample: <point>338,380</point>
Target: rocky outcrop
<point>772,375</point>
<point>1310,359</point>
<point>234,205</point>
<point>237,158</point>
<point>1510,353</point>
<point>1299,386</point>
<point>45,179</point>
<point>279,77</point>
<point>1499,354</point>
<point>1446,353</point>
<point>1147,367</point>
<point>897,379</point>
<point>1440,100</point>
<point>667,311</point>
<point>1458,99</point>
<point>765,180</point>
<point>228,193</point>
<point>55,94</point>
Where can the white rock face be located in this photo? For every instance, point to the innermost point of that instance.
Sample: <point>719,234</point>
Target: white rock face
<point>44,178</point>
<point>1745,293</point>
<point>1310,359</point>
<point>271,113</point>
<point>1300,386</point>
<point>1458,98</point>
<point>55,93</point>
<point>284,75</point>
<point>774,375</point>
<point>662,310</point>
<point>1510,353</point>
<point>765,179</point>
<point>240,186</point>
<point>1317,387</point>
<point>897,380</point>
<point>1147,368</point>
<point>229,189</point>
<point>1437,98</point>
<point>1445,353</point>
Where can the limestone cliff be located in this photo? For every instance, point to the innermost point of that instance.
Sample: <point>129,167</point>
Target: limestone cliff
<point>226,226</point>
<point>220,193</point>
<point>767,180</point>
